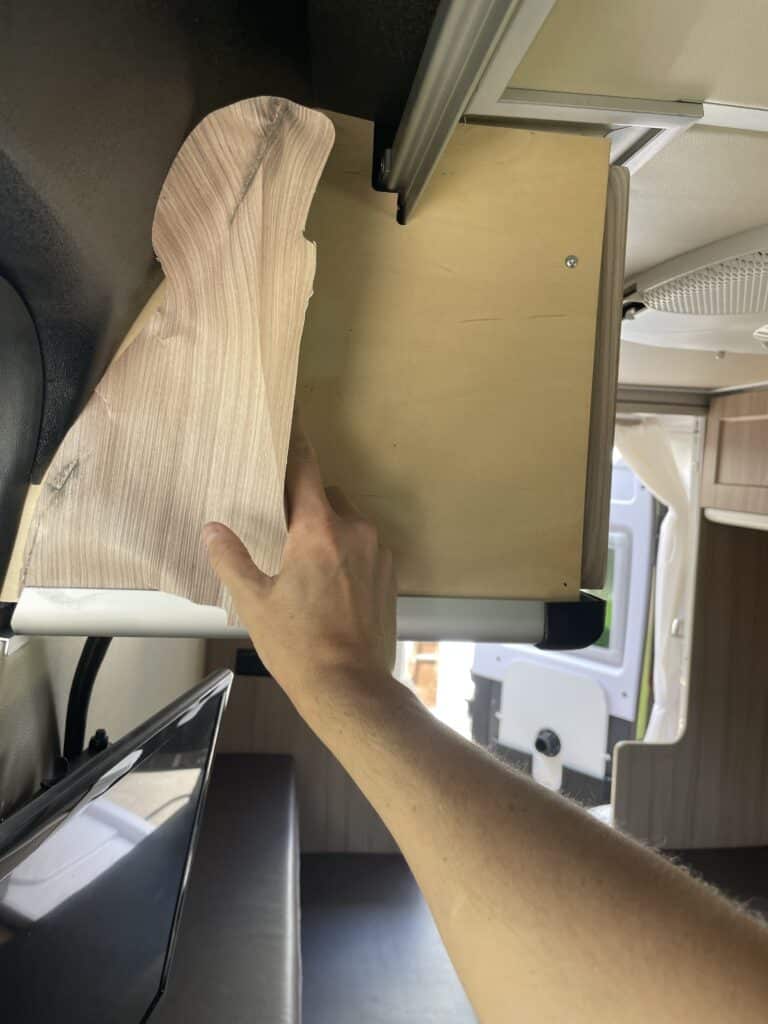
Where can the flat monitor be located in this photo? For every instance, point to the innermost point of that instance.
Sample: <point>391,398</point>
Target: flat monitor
<point>93,872</point>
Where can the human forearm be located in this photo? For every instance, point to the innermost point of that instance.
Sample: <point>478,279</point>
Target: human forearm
<point>547,915</point>
<point>540,907</point>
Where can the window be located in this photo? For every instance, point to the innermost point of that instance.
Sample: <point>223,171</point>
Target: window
<point>440,675</point>
<point>607,595</point>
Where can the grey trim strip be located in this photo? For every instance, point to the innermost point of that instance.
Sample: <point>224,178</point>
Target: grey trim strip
<point>56,611</point>
<point>761,385</point>
<point>591,108</point>
<point>645,147</point>
<point>597,497</point>
<point>482,620</point>
<point>463,37</point>
<point>672,401</point>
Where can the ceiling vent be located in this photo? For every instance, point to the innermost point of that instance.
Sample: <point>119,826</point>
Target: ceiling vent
<point>714,298</point>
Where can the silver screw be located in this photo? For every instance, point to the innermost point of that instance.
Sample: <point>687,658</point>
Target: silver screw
<point>571,261</point>
<point>720,354</point>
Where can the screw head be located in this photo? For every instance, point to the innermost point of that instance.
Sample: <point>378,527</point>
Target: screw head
<point>571,261</point>
<point>720,354</point>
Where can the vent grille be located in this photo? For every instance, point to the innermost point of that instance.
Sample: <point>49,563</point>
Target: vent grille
<point>729,288</point>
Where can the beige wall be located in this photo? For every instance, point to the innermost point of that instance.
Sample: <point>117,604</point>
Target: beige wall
<point>138,677</point>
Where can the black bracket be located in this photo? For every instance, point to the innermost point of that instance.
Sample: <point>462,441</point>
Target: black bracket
<point>573,625</point>
<point>383,137</point>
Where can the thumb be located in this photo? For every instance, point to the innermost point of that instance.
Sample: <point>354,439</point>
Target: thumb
<point>230,560</point>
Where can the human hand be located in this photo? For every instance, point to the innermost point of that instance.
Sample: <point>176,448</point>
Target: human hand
<point>330,611</point>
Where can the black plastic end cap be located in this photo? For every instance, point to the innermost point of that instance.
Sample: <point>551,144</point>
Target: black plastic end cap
<point>99,742</point>
<point>573,625</point>
<point>383,137</point>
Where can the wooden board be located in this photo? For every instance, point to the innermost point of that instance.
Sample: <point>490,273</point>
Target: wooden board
<point>446,366</point>
<point>735,469</point>
<point>710,789</point>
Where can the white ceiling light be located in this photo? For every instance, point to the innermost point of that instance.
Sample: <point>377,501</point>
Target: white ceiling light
<point>713,298</point>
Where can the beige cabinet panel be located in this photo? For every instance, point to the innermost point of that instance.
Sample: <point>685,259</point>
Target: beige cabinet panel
<point>446,366</point>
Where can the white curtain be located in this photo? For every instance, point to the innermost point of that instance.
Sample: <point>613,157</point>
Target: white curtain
<point>646,447</point>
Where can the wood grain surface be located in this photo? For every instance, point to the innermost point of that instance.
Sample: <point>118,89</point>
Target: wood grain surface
<point>735,470</point>
<point>192,422</point>
<point>710,789</point>
<point>446,379</point>
<point>446,366</point>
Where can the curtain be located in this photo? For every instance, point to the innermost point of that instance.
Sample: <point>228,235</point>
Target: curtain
<point>646,448</point>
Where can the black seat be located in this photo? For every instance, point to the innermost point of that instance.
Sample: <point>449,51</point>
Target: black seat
<point>237,955</point>
<point>371,951</point>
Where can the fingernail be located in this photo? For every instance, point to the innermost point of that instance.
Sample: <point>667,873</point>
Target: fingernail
<point>211,531</point>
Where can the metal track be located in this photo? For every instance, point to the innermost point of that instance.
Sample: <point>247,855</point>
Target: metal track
<point>463,37</point>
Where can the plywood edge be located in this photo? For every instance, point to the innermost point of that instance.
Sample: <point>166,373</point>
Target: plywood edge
<point>11,586</point>
<point>602,418</point>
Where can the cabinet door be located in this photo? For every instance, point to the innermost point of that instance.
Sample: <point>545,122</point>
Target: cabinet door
<point>735,472</point>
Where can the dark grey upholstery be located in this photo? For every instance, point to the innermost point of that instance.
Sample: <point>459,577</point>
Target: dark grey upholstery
<point>371,952</point>
<point>237,957</point>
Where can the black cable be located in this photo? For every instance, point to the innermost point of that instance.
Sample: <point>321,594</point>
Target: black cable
<point>88,666</point>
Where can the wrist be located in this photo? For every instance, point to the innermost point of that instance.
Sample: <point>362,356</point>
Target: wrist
<point>327,694</point>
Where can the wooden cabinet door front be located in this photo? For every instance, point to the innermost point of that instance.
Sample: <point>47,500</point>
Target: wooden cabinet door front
<point>735,472</point>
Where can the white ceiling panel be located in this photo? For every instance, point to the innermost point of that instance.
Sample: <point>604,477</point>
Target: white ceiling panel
<point>678,367</point>
<point>707,184</point>
<point>658,49</point>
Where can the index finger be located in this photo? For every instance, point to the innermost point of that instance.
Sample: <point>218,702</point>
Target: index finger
<point>304,492</point>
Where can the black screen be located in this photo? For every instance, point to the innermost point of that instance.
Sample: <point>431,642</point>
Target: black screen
<point>87,916</point>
